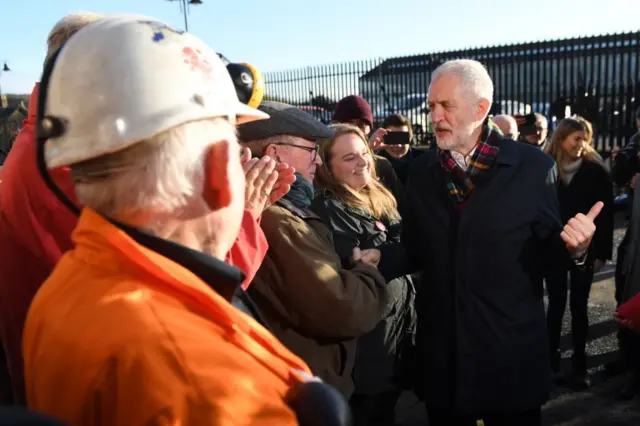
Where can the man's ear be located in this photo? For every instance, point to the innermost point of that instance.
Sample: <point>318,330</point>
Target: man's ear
<point>270,150</point>
<point>218,171</point>
<point>482,109</point>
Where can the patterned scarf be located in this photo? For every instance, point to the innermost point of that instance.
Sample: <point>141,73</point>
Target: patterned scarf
<point>301,193</point>
<point>461,182</point>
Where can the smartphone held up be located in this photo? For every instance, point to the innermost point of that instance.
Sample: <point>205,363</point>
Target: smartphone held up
<point>397,138</point>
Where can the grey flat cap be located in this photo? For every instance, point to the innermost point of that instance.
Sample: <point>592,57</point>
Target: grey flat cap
<point>284,119</point>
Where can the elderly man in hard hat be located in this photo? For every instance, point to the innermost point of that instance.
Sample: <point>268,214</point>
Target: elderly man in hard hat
<point>35,227</point>
<point>135,325</point>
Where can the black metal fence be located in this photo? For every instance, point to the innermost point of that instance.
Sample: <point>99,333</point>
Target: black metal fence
<point>596,77</point>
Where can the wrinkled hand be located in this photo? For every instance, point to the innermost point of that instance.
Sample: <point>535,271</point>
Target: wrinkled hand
<point>578,232</point>
<point>282,173</point>
<point>376,141</point>
<point>282,186</point>
<point>245,156</point>
<point>369,256</point>
<point>597,265</point>
<point>261,176</point>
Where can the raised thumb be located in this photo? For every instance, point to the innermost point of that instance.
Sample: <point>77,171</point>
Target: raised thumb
<point>595,210</point>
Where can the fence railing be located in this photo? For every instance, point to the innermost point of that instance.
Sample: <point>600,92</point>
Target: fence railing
<point>596,77</point>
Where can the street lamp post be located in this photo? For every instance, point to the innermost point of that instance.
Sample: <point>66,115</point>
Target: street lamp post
<point>5,131</point>
<point>5,68</point>
<point>184,6</point>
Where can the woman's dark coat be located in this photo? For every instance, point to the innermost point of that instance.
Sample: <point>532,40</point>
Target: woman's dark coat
<point>376,369</point>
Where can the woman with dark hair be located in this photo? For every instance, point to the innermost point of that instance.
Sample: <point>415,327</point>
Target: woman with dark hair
<point>362,213</point>
<point>583,181</point>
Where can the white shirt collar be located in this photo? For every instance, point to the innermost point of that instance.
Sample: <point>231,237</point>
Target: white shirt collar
<point>463,160</point>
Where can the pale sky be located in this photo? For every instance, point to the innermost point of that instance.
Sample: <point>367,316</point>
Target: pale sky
<point>283,34</point>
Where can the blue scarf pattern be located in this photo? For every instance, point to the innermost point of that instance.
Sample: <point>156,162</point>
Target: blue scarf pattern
<point>301,193</point>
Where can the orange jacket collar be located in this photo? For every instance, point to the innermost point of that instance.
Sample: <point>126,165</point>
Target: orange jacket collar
<point>98,241</point>
<point>101,241</point>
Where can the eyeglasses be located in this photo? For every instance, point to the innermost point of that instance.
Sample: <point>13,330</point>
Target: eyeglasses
<point>312,149</point>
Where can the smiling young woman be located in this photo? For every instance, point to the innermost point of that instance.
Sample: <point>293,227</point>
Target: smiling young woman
<point>362,213</point>
<point>348,172</point>
<point>583,182</point>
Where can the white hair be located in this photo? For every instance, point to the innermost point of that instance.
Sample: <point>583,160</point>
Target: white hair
<point>509,120</point>
<point>541,118</point>
<point>157,179</point>
<point>510,124</point>
<point>473,75</point>
<point>68,26</point>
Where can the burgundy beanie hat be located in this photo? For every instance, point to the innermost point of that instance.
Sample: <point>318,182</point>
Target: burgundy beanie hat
<point>353,108</point>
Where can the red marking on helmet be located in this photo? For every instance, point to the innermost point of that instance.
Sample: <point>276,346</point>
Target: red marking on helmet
<point>193,57</point>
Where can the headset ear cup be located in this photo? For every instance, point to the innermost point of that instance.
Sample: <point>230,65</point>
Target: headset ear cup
<point>242,78</point>
<point>257,93</point>
<point>248,82</point>
<point>225,61</point>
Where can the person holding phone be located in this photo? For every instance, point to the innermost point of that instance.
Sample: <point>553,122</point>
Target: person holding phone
<point>397,143</point>
<point>533,128</point>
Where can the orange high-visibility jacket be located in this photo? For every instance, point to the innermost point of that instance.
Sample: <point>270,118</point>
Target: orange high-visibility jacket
<point>120,335</point>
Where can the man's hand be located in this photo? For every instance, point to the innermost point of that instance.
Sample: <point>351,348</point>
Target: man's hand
<point>261,176</point>
<point>376,141</point>
<point>267,181</point>
<point>578,232</point>
<point>282,186</point>
<point>369,256</point>
<point>245,156</point>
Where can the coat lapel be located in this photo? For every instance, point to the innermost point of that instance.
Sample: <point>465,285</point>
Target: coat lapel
<point>443,207</point>
<point>482,201</point>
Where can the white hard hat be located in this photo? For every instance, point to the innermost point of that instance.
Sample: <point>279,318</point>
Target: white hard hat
<point>124,79</point>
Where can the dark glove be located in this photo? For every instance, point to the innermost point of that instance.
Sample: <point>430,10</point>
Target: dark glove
<point>318,404</point>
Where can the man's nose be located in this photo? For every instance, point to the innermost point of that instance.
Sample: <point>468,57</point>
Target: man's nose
<point>437,113</point>
<point>317,161</point>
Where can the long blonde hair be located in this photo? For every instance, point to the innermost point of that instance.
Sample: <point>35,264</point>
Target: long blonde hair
<point>373,199</point>
<point>566,128</point>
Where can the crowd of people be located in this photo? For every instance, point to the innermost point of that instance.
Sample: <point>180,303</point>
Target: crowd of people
<point>170,255</point>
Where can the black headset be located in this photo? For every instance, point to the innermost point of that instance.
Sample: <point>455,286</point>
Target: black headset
<point>49,127</point>
<point>247,81</point>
